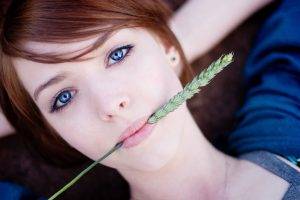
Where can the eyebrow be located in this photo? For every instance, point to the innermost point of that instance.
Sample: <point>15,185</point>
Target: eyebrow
<point>60,77</point>
<point>54,80</point>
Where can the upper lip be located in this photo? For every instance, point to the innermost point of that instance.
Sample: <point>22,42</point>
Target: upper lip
<point>134,127</point>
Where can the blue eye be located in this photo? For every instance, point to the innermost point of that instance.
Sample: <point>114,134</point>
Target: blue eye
<point>118,54</point>
<point>62,100</point>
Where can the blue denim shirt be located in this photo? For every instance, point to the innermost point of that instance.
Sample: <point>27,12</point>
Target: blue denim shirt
<point>270,117</point>
<point>11,191</point>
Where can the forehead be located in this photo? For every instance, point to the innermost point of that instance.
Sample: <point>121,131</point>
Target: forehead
<point>75,48</point>
<point>28,70</point>
<point>59,48</point>
<point>71,48</point>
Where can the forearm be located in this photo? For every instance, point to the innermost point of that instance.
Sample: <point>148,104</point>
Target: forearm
<point>200,24</point>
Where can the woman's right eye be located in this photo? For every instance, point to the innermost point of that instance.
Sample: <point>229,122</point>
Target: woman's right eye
<point>62,100</point>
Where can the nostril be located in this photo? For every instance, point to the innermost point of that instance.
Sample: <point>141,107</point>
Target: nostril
<point>107,118</point>
<point>122,105</point>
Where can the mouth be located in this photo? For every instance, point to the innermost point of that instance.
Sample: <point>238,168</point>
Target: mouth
<point>136,132</point>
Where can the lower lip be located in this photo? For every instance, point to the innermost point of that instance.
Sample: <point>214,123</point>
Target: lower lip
<point>139,136</point>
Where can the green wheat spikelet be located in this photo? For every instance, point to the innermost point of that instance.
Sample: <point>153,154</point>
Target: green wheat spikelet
<point>188,92</point>
<point>192,88</point>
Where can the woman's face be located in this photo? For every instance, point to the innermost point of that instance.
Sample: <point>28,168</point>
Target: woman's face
<point>132,69</point>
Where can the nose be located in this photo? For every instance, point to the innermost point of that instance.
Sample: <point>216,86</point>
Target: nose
<point>113,108</point>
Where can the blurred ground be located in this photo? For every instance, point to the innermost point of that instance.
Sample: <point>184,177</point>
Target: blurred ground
<point>213,109</point>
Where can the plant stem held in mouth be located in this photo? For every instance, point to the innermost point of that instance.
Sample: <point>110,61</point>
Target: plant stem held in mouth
<point>188,92</point>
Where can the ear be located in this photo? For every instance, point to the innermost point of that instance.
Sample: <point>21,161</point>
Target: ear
<point>173,58</point>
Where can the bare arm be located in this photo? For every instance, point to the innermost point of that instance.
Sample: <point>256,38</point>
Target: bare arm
<point>201,24</point>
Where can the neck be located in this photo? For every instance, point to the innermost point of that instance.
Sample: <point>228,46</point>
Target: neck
<point>197,171</point>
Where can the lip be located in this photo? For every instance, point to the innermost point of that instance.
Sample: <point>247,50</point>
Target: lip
<point>136,132</point>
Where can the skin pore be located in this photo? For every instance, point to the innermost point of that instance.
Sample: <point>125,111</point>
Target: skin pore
<point>129,77</point>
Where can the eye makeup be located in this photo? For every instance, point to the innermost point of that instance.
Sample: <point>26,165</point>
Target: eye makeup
<point>123,51</point>
<point>190,89</point>
<point>117,55</point>
<point>55,99</point>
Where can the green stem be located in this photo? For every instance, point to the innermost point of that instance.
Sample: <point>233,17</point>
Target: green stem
<point>117,146</point>
<point>188,92</point>
<point>192,87</point>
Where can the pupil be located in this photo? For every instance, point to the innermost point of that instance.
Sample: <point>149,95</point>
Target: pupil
<point>64,98</point>
<point>118,55</point>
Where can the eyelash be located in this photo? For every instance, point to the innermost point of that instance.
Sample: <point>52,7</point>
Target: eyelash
<point>126,47</point>
<point>54,100</point>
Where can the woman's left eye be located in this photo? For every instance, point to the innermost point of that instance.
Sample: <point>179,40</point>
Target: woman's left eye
<point>118,54</point>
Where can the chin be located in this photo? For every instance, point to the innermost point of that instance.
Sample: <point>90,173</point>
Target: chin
<point>150,164</point>
<point>157,162</point>
<point>154,155</point>
<point>160,149</point>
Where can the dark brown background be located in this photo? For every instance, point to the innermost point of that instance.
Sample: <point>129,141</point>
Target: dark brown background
<point>213,109</point>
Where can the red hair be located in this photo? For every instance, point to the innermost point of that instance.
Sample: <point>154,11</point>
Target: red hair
<point>64,21</point>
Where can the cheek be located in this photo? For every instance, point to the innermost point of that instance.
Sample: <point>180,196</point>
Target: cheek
<point>154,75</point>
<point>83,134</point>
<point>158,66</point>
